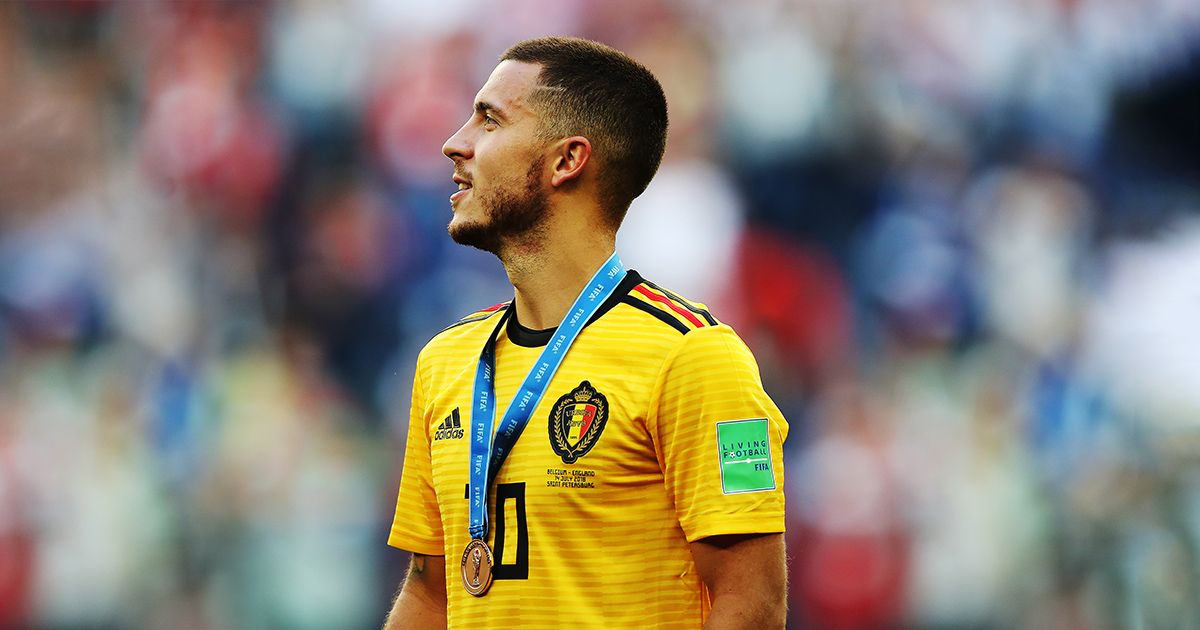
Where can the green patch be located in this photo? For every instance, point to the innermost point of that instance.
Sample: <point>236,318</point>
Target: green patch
<point>745,456</point>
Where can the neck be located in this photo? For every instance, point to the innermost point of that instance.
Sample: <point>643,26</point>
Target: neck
<point>548,276</point>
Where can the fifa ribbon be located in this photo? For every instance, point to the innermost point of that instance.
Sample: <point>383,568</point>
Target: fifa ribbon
<point>488,451</point>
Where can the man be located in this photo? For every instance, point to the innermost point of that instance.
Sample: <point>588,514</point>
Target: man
<point>598,452</point>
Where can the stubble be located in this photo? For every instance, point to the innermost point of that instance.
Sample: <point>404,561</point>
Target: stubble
<point>511,215</point>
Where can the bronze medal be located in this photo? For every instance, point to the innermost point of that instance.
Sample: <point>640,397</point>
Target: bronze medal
<point>477,567</point>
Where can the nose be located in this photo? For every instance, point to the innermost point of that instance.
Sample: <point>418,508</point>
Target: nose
<point>458,146</point>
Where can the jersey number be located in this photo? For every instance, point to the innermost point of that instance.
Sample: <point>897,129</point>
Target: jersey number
<point>519,568</point>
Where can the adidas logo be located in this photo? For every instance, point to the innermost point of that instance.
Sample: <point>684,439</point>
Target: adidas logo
<point>450,428</point>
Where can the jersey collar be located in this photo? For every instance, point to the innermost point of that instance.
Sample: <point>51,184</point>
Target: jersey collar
<point>530,338</point>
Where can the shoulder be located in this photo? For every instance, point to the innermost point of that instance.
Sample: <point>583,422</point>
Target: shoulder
<point>460,342</point>
<point>466,333</point>
<point>477,316</point>
<point>690,334</point>
<point>664,308</point>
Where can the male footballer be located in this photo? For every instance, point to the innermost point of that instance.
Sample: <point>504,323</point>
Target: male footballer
<point>597,452</point>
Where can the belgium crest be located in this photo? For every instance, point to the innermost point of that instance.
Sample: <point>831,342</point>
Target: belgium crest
<point>576,421</point>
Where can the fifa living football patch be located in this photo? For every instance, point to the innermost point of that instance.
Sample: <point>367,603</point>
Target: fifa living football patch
<point>745,456</point>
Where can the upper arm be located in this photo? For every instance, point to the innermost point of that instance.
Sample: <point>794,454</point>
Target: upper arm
<point>427,580</point>
<point>746,576</point>
<point>421,603</point>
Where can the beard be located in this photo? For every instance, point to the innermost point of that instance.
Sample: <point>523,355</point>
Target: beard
<point>510,213</point>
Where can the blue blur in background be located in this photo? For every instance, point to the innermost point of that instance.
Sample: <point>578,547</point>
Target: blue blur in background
<point>962,239</point>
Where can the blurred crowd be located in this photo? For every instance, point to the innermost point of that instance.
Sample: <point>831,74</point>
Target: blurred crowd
<point>961,237</point>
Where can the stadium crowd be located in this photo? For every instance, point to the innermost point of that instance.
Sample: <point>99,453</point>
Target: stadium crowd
<point>962,239</point>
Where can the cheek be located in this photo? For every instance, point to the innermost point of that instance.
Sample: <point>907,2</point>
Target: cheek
<point>502,155</point>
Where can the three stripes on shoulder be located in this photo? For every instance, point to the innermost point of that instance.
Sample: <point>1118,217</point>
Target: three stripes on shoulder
<point>668,308</point>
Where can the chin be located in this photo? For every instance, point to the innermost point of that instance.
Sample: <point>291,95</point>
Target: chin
<point>473,234</point>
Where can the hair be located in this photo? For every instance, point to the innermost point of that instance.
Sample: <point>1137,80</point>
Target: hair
<point>589,89</point>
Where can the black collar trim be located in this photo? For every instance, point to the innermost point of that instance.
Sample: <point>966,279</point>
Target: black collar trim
<point>530,338</point>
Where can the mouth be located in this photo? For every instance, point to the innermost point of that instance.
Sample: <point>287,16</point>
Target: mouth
<point>464,187</point>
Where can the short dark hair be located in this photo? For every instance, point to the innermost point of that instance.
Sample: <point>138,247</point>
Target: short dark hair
<point>599,92</point>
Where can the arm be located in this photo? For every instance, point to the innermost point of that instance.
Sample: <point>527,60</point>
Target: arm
<point>417,526</point>
<point>746,576</point>
<point>421,603</point>
<point>711,418</point>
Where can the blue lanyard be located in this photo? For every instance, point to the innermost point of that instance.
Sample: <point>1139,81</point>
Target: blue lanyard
<point>487,451</point>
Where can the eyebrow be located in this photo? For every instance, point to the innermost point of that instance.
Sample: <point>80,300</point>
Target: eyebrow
<point>484,107</point>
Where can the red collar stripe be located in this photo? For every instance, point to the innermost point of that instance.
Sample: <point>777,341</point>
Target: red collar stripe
<point>682,312</point>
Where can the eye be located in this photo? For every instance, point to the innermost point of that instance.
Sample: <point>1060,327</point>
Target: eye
<point>488,121</point>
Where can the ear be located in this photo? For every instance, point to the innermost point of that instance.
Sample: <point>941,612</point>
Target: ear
<point>568,158</point>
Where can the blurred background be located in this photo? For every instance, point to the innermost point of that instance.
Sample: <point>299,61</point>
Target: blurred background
<point>961,237</point>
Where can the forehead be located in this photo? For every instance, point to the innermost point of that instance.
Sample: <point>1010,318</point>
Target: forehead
<point>509,87</point>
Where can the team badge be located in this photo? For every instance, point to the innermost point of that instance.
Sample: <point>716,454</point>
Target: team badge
<point>576,421</point>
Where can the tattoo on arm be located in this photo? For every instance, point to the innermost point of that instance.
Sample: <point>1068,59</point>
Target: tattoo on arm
<point>421,600</point>
<point>416,567</point>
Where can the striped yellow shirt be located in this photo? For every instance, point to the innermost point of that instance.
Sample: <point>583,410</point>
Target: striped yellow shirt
<point>654,433</point>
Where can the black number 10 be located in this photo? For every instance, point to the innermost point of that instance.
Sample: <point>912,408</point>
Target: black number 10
<point>518,570</point>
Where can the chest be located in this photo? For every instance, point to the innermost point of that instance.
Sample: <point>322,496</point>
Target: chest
<point>585,440</point>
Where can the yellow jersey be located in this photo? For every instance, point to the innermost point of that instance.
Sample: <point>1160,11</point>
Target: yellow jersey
<point>655,432</point>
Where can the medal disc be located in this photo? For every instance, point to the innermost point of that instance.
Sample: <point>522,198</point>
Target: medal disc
<point>477,567</point>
